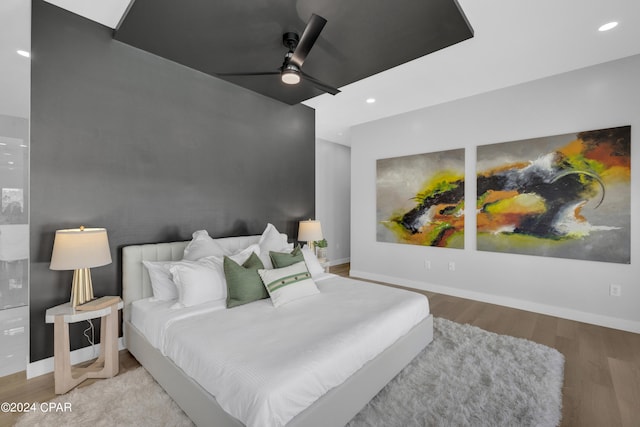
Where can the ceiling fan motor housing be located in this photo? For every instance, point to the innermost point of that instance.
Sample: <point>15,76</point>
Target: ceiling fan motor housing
<point>290,41</point>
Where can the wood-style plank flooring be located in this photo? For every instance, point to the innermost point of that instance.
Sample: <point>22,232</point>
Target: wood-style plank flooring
<point>602,365</point>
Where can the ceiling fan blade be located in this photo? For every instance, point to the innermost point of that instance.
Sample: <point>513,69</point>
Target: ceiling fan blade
<point>308,39</point>
<point>258,73</point>
<point>322,86</point>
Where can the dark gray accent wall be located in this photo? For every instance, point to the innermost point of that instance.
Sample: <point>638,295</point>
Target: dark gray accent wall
<point>150,150</point>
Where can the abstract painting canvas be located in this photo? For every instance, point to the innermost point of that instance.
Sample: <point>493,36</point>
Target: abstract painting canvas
<point>420,199</point>
<point>565,196</point>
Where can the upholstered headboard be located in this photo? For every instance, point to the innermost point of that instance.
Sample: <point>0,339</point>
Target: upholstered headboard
<point>135,277</point>
<point>136,283</point>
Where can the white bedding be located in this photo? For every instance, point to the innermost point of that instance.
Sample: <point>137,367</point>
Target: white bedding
<point>265,365</point>
<point>153,317</point>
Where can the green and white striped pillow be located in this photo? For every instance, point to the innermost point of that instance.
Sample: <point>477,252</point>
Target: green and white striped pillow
<point>289,283</point>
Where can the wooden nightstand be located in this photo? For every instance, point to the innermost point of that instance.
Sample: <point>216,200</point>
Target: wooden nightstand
<point>326,265</point>
<point>107,364</point>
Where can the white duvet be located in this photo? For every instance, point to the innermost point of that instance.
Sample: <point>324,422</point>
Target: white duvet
<point>265,365</point>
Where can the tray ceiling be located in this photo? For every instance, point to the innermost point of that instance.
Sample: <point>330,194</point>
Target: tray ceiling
<point>361,38</point>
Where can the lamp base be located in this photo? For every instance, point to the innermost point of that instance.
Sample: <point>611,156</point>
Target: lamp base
<point>312,246</point>
<point>81,288</point>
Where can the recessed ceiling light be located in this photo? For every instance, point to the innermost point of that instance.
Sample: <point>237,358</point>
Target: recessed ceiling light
<point>23,53</point>
<point>608,26</point>
<point>371,100</point>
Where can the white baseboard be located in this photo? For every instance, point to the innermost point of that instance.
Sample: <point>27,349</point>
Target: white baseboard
<point>80,355</point>
<point>564,313</point>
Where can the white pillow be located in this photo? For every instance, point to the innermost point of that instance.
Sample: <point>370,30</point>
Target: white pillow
<point>197,283</point>
<point>202,245</point>
<point>312,262</point>
<point>272,240</point>
<point>239,257</point>
<point>288,284</point>
<point>163,287</point>
<point>164,284</point>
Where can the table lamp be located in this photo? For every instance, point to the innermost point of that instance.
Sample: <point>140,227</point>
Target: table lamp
<point>309,231</point>
<point>79,249</point>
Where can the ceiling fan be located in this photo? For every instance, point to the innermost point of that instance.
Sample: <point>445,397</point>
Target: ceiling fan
<point>298,48</point>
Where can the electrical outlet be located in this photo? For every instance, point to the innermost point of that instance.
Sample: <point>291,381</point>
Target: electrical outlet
<point>452,266</point>
<point>615,290</point>
<point>427,264</point>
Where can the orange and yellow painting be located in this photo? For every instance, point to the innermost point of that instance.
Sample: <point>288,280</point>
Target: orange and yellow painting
<point>565,196</point>
<point>420,199</point>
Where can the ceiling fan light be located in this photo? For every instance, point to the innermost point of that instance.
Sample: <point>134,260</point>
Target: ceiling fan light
<point>290,77</point>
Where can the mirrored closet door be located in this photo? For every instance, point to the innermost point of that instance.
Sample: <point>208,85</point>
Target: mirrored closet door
<point>15,45</point>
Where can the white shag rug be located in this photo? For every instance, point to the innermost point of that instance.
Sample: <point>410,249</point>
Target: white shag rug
<point>470,377</point>
<point>465,377</point>
<point>129,399</point>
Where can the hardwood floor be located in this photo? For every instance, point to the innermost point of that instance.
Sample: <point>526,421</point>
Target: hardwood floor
<point>602,366</point>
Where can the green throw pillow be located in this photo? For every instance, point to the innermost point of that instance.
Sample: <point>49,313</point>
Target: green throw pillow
<point>280,259</point>
<point>244,284</point>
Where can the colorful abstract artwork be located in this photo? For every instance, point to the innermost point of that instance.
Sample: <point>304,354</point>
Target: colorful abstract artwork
<point>565,196</point>
<point>420,199</point>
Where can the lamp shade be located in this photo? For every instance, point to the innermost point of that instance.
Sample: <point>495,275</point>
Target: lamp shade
<point>309,231</point>
<point>80,248</point>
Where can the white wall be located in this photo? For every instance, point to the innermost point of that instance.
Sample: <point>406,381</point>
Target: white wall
<point>333,193</point>
<point>603,96</point>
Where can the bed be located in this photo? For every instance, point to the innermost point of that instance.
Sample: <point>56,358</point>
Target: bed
<point>334,407</point>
